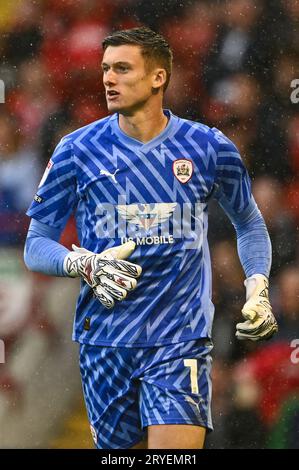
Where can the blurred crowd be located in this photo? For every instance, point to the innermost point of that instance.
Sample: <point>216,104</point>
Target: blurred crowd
<point>234,62</point>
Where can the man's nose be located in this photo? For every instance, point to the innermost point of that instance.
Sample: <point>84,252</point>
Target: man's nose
<point>109,78</point>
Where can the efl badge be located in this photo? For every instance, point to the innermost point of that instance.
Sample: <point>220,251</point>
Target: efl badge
<point>183,170</point>
<point>47,171</point>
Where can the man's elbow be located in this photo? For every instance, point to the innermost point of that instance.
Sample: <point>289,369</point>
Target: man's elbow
<point>27,255</point>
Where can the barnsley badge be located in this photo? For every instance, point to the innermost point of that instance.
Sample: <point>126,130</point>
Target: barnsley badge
<point>183,170</point>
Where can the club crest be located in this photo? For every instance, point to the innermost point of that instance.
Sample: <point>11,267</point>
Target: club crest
<point>182,170</point>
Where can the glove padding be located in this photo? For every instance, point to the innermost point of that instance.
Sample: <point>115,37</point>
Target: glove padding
<point>107,273</point>
<point>260,322</point>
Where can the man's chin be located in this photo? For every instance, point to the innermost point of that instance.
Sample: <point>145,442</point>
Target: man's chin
<point>114,107</point>
<point>117,108</point>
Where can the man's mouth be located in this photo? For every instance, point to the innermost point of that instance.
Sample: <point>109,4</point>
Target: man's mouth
<point>112,95</point>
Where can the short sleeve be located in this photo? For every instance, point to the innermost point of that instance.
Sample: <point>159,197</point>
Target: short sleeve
<point>56,195</point>
<point>232,179</point>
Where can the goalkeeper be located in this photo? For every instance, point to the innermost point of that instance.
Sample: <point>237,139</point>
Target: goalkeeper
<point>144,315</point>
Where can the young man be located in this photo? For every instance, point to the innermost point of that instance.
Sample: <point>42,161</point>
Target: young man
<point>144,176</point>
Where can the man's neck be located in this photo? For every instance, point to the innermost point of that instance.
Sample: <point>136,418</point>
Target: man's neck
<point>144,126</point>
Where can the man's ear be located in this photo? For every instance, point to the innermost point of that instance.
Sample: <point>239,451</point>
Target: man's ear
<point>159,79</point>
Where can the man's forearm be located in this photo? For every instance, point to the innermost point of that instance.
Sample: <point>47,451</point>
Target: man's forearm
<point>254,245</point>
<point>42,251</point>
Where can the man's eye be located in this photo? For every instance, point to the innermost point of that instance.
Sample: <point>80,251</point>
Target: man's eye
<point>121,69</point>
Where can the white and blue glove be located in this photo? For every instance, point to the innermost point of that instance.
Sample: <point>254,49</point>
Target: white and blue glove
<point>107,273</point>
<point>259,321</point>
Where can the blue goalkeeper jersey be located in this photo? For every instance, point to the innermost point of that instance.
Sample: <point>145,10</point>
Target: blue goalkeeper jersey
<point>157,194</point>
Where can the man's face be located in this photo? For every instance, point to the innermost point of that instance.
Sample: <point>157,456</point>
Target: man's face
<point>127,83</point>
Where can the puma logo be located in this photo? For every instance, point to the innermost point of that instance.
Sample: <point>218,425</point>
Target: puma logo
<point>111,175</point>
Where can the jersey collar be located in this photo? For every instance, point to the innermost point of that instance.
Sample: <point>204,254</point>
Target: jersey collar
<point>137,144</point>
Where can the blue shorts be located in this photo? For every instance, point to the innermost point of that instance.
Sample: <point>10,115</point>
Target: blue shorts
<point>128,389</point>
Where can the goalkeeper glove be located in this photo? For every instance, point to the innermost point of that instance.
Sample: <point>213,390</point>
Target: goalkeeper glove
<point>107,273</point>
<point>260,322</point>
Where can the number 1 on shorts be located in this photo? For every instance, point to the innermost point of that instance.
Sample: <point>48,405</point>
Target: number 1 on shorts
<point>192,363</point>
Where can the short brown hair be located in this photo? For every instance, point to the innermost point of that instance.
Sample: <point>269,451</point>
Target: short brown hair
<point>154,48</point>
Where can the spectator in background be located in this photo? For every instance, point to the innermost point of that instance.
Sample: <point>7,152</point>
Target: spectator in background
<point>237,47</point>
<point>19,174</point>
<point>281,223</point>
<point>272,149</point>
<point>293,142</point>
<point>267,379</point>
<point>290,33</point>
<point>238,99</point>
<point>288,301</point>
<point>222,380</point>
<point>178,95</point>
<point>244,414</point>
<point>25,37</point>
<point>155,14</point>
<point>284,434</point>
<point>33,101</point>
<point>192,36</point>
<point>229,294</point>
<point>292,189</point>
